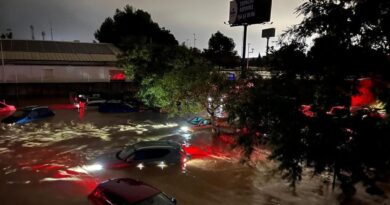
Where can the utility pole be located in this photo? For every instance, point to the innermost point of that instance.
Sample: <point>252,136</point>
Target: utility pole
<point>247,59</point>
<point>2,59</point>
<point>51,30</point>
<point>194,40</point>
<point>32,32</point>
<point>43,35</point>
<point>243,70</point>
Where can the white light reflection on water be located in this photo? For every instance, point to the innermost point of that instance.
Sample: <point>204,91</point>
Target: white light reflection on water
<point>50,154</point>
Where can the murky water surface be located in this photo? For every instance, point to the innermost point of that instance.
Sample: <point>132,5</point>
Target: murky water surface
<point>40,164</point>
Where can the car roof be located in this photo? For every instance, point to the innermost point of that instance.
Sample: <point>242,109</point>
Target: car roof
<point>129,189</point>
<point>33,107</point>
<point>156,144</point>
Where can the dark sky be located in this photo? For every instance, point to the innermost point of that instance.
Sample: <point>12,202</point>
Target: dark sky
<point>78,19</point>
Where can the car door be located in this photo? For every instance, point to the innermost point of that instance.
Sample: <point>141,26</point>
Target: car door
<point>33,115</point>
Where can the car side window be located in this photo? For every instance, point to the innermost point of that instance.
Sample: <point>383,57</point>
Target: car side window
<point>33,114</point>
<point>151,154</point>
<point>41,112</point>
<point>2,106</point>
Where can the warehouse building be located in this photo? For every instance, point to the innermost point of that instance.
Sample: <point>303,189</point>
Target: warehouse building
<point>56,68</point>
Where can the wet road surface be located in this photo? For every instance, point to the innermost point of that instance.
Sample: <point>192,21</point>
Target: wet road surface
<point>40,163</point>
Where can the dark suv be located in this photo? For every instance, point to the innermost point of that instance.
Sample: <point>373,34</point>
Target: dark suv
<point>147,153</point>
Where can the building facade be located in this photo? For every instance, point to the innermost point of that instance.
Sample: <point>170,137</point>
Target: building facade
<point>52,67</point>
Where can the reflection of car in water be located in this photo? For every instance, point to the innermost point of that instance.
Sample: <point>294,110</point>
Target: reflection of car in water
<point>116,107</point>
<point>29,114</point>
<point>128,191</point>
<point>4,108</point>
<point>148,153</point>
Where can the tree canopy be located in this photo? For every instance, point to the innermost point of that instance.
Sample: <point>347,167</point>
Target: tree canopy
<point>350,42</point>
<point>221,51</point>
<point>129,27</point>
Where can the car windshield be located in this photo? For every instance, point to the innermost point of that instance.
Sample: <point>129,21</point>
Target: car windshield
<point>126,152</point>
<point>159,199</point>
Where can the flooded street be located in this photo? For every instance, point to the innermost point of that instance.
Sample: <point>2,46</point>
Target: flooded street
<point>41,163</point>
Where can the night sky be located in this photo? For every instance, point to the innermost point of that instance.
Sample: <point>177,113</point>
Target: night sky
<point>79,19</point>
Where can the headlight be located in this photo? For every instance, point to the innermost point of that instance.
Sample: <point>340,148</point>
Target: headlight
<point>92,168</point>
<point>162,165</point>
<point>140,166</point>
<point>184,128</point>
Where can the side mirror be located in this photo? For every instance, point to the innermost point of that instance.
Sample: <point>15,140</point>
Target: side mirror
<point>174,201</point>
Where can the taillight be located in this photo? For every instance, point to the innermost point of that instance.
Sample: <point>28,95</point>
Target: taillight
<point>98,194</point>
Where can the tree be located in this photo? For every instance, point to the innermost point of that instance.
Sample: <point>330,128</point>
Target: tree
<point>350,41</point>
<point>189,86</point>
<point>7,35</point>
<point>221,51</point>
<point>128,28</point>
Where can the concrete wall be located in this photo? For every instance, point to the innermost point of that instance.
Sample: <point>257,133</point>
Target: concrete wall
<point>54,74</point>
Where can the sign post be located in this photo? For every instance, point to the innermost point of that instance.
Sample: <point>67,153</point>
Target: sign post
<point>245,13</point>
<point>268,33</point>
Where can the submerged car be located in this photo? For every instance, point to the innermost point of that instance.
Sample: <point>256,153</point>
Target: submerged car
<point>116,107</point>
<point>5,108</point>
<point>95,101</point>
<point>29,114</point>
<point>196,123</point>
<point>143,154</point>
<point>126,191</point>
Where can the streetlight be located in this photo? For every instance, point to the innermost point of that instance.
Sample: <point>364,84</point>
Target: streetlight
<point>247,60</point>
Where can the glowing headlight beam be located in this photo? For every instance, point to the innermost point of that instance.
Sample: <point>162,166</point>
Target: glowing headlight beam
<point>140,166</point>
<point>184,128</point>
<point>92,168</point>
<point>162,165</point>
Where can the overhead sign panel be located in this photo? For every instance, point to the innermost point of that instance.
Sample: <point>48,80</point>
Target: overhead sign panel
<point>249,12</point>
<point>268,33</point>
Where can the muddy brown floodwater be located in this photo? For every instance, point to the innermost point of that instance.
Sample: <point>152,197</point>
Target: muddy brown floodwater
<point>40,163</point>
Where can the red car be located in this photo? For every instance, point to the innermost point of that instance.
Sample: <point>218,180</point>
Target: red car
<point>126,191</point>
<point>5,109</point>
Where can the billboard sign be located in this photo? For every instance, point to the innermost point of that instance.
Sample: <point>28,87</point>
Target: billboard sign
<point>249,12</point>
<point>268,33</point>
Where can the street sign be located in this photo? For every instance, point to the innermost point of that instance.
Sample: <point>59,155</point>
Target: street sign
<point>268,33</point>
<point>246,12</point>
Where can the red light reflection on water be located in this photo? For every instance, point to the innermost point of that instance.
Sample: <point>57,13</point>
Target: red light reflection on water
<point>221,147</point>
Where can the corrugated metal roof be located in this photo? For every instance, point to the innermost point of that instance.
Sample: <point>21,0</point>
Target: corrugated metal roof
<point>56,51</point>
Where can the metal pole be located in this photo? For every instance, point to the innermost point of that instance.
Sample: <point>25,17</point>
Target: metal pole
<point>267,46</point>
<point>51,30</point>
<point>247,59</point>
<point>194,40</point>
<point>243,70</point>
<point>17,88</point>
<point>2,59</point>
